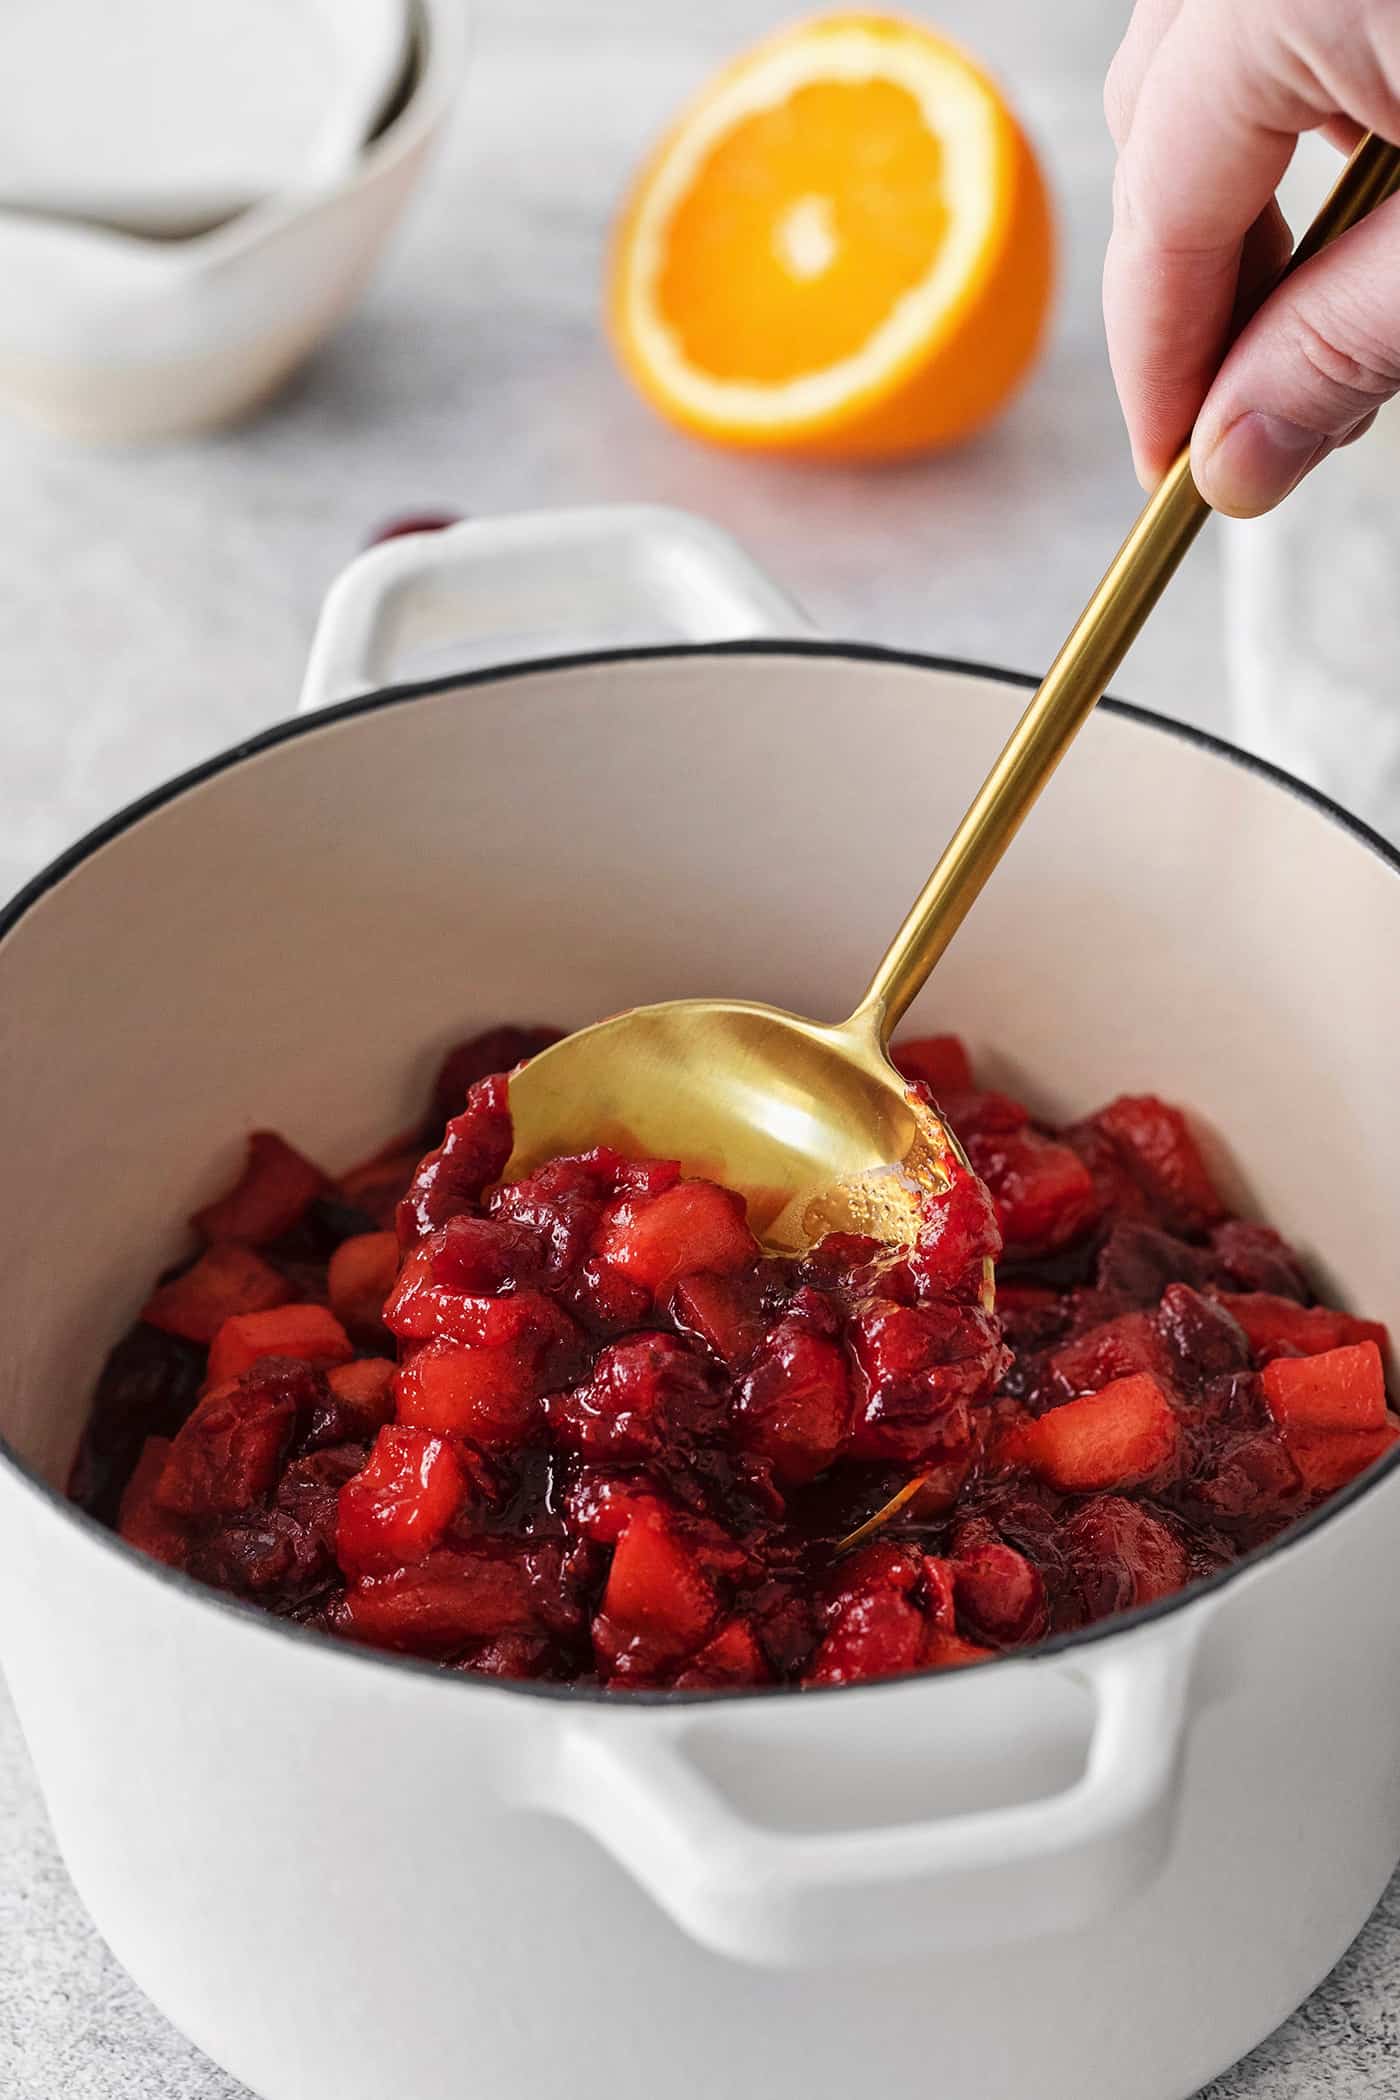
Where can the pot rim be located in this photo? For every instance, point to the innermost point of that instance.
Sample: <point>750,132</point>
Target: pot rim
<point>133,813</point>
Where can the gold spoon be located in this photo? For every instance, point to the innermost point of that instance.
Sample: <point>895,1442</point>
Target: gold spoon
<point>811,1121</point>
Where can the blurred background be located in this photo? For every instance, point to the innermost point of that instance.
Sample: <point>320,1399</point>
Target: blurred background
<point>161,588</point>
<point>160,594</point>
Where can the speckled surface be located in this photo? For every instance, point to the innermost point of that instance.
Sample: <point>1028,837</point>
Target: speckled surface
<point>158,604</point>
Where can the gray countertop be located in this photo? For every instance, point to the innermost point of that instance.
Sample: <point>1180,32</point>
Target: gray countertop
<point>158,606</point>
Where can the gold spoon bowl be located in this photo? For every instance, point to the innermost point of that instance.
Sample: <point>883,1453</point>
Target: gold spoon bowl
<point>811,1123</point>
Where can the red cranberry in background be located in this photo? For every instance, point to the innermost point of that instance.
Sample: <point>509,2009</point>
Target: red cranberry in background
<point>413,521</point>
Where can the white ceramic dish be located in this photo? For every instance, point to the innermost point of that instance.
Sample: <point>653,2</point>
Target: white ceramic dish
<point>108,336</point>
<point>1100,1872</point>
<point>162,118</point>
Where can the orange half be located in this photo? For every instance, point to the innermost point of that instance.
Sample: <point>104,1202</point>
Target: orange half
<point>843,248</point>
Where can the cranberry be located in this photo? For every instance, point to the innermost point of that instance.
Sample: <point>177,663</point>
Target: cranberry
<point>1137,1261</point>
<point>732,1656</point>
<point>412,521</point>
<point>227,1458</point>
<point>450,1600</point>
<point>1043,1193</point>
<point>1247,1476</point>
<point>473,1153</point>
<point>730,1314</point>
<point>881,1612</point>
<point>146,1389</point>
<point>938,1062</point>
<point>1122,1555</point>
<point>794,1406</point>
<point>984,1115</point>
<point>1155,1144</point>
<point>561,1204</point>
<point>1255,1258</point>
<point>1031,1317</point>
<point>646,1395</point>
<point>960,1234</point>
<point>477,1254</point>
<point>919,1366</point>
<point>1000,1594</point>
<point>1117,1349</point>
<point>497,1050</point>
<point>1204,1337</point>
<point>513,1655</point>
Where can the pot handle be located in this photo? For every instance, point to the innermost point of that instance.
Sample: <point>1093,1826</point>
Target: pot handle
<point>602,571</point>
<point>791,1898</point>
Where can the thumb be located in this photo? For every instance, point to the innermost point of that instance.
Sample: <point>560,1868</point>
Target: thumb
<point>1311,368</point>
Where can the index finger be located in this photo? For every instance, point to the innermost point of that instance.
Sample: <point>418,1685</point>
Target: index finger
<point>1150,22</point>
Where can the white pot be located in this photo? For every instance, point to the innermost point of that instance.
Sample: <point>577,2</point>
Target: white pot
<point>1101,1872</point>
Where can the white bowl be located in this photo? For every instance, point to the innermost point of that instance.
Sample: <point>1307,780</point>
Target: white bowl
<point>159,118</point>
<point>108,336</point>
<point>1097,1872</point>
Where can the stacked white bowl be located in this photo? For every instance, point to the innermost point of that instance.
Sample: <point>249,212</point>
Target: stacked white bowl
<point>190,198</point>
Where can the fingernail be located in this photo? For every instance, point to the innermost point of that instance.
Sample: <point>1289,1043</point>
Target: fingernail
<point>1255,462</point>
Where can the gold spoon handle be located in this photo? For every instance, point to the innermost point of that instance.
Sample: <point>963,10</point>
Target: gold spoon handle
<point>1075,682</point>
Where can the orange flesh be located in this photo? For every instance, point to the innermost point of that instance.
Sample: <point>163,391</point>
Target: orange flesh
<point>805,226</point>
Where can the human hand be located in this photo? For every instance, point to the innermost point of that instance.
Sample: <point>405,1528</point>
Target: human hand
<point>1206,100</point>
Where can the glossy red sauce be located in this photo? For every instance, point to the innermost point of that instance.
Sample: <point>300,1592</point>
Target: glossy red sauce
<point>581,1428</point>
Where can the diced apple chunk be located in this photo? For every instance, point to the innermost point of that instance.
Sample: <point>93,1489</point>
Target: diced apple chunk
<point>1340,1389</point>
<point>1116,1438</point>
<point>656,1586</point>
<point>693,1227</point>
<point>486,1394</point>
<point>397,1509</point>
<point>1331,1412</point>
<point>360,1277</point>
<point>228,1279</point>
<point>311,1333</point>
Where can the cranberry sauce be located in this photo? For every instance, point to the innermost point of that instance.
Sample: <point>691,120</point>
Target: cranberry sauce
<point>583,1428</point>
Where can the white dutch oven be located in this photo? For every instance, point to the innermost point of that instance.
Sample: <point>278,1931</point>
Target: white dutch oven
<point>1098,1873</point>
